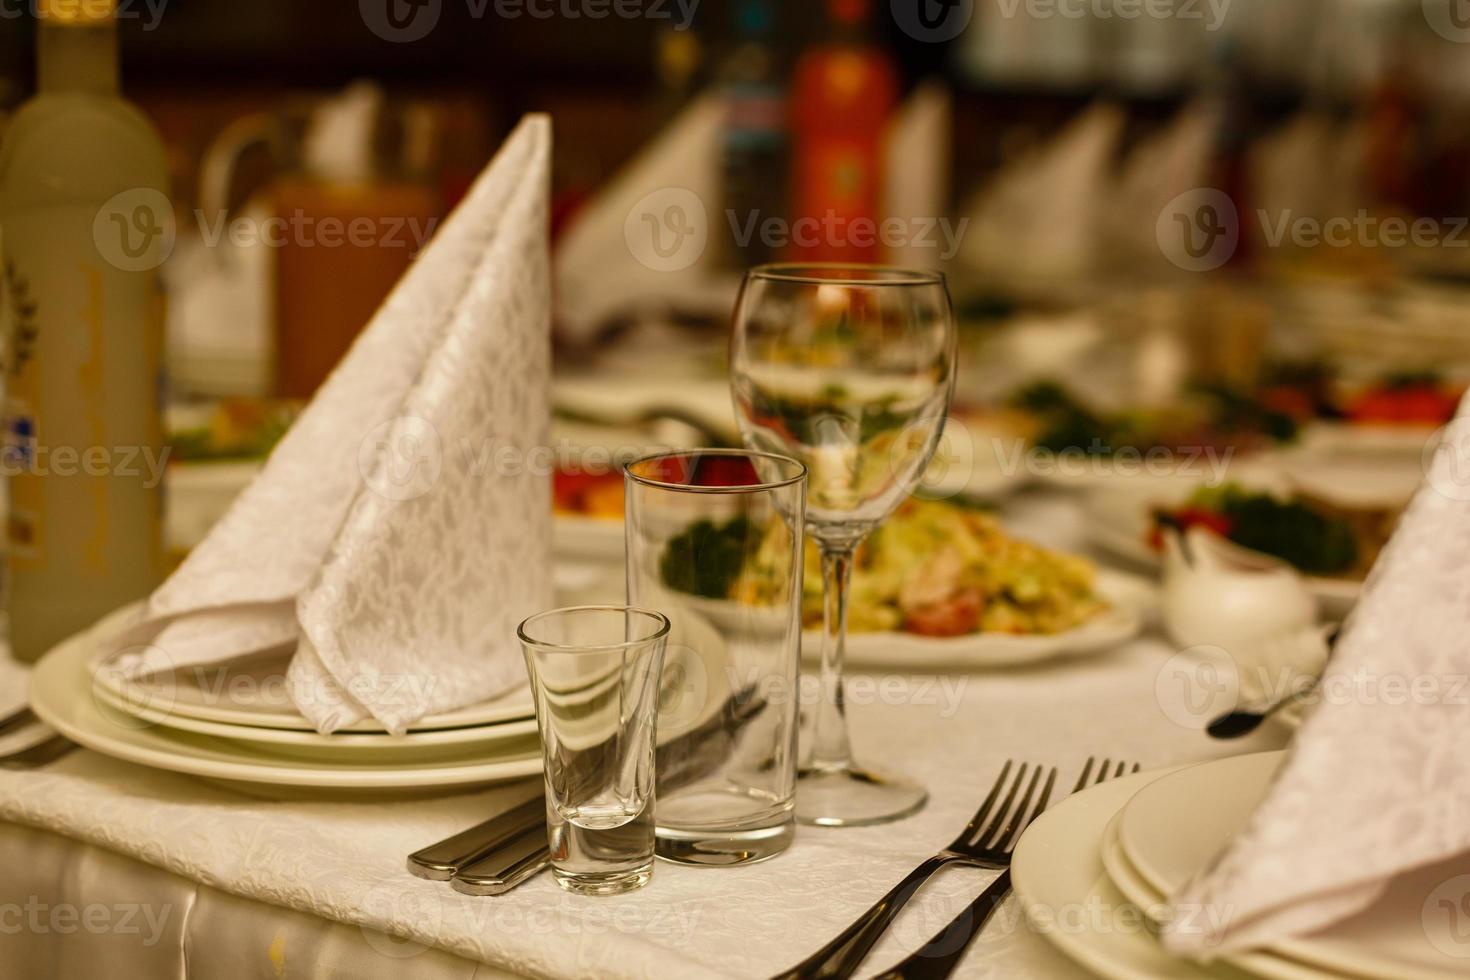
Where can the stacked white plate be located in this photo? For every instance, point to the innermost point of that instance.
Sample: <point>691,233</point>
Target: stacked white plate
<point>1093,875</point>
<point>236,724</point>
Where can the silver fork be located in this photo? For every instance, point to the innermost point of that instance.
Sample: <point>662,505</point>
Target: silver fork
<point>938,957</point>
<point>985,843</point>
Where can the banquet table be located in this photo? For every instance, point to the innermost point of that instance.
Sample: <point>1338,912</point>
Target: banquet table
<point>118,870</point>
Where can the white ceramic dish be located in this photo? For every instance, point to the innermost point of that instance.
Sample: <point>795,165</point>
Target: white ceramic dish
<point>1057,867</point>
<point>1058,873</point>
<point>253,693</point>
<point>60,693</point>
<point>341,746</point>
<point>1119,521</point>
<point>1131,597</point>
<point>1155,905</point>
<point>587,538</point>
<point>975,457</point>
<point>1170,829</point>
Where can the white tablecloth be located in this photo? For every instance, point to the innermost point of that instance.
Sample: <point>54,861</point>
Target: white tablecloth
<point>243,887</point>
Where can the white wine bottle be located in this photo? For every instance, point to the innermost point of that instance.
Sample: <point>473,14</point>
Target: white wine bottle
<point>84,225</point>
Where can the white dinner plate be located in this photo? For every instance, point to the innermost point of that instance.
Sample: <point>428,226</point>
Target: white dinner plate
<point>1172,828</point>
<point>1119,522</point>
<point>976,457</point>
<point>587,538</point>
<point>1131,599</point>
<point>253,692</point>
<point>1156,906</point>
<point>60,694</point>
<point>341,746</point>
<point>1068,898</point>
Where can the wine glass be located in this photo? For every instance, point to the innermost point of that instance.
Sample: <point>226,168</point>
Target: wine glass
<point>849,369</point>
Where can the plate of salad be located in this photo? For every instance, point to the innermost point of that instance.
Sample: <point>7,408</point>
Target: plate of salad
<point>942,585</point>
<point>1333,544</point>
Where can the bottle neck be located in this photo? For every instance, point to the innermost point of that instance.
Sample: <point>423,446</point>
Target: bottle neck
<point>74,58</point>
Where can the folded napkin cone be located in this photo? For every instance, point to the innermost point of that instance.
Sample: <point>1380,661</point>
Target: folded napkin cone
<point>1376,785</point>
<point>402,526</point>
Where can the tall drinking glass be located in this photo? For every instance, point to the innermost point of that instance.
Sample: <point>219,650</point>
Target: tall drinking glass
<point>849,369</point>
<point>594,674</point>
<point>714,542</point>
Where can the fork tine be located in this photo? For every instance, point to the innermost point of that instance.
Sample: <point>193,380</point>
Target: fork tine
<point>1102,772</point>
<point>1086,773</point>
<point>1023,818</point>
<point>1122,768</point>
<point>989,829</point>
<point>973,827</point>
<point>1003,834</point>
<point>1137,767</point>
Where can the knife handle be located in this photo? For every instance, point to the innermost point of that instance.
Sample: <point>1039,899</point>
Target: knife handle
<point>439,862</point>
<point>501,871</point>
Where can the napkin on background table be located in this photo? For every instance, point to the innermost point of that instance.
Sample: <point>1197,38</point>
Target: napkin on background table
<point>1040,216</point>
<point>1376,783</point>
<point>392,540</point>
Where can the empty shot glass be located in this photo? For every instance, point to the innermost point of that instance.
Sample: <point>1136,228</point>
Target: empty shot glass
<point>595,678</point>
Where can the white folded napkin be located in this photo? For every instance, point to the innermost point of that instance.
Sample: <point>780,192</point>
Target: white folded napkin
<point>1169,163</point>
<point>1376,784</point>
<point>916,175</point>
<point>1040,216</point>
<point>650,240</point>
<point>402,527</point>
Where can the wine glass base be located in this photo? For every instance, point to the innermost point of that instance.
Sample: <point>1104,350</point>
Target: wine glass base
<point>855,797</point>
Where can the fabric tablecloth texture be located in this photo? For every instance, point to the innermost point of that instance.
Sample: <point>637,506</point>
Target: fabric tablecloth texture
<point>344,861</point>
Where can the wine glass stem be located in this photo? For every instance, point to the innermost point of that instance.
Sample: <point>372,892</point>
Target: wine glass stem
<point>830,747</point>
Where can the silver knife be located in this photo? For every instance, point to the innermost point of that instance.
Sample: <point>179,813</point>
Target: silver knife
<point>440,861</point>
<point>495,856</point>
<point>505,867</point>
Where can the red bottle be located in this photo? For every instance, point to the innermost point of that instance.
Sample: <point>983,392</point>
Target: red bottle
<point>843,93</point>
